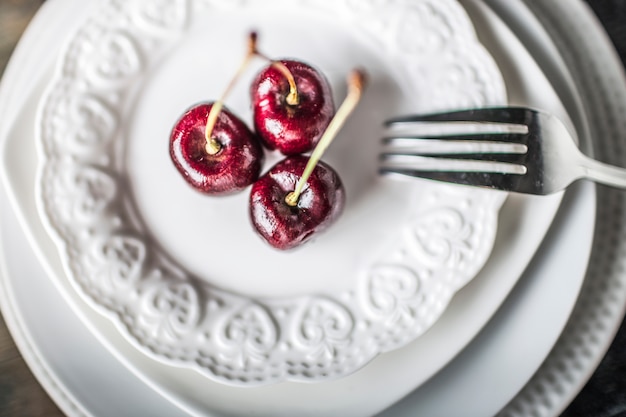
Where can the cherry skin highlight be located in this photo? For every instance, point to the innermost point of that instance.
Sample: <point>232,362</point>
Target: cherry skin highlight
<point>233,167</point>
<point>319,205</point>
<point>291,128</point>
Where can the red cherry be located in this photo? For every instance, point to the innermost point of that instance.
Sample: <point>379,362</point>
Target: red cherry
<point>301,196</point>
<point>291,121</point>
<point>229,162</point>
<point>320,203</point>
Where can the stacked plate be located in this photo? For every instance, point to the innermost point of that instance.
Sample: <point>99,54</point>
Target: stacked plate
<point>420,293</point>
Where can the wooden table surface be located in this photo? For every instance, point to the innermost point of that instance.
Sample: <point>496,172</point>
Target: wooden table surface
<point>22,396</point>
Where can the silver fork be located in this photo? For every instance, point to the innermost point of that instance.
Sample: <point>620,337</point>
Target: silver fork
<point>514,149</point>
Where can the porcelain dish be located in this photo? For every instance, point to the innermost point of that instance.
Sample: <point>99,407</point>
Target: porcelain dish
<point>491,287</point>
<point>482,341</point>
<point>188,393</point>
<point>186,289</point>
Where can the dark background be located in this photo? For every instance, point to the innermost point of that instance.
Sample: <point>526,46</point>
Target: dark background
<point>21,396</point>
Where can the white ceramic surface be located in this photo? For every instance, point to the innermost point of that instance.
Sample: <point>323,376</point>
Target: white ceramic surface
<point>145,249</point>
<point>474,318</point>
<point>191,392</point>
<point>78,372</point>
<point>475,374</point>
<point>521,231</point>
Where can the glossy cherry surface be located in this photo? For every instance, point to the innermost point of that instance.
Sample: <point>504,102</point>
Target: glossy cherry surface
<point>319,205</point>
<point>291,128</point>
<point>236,165</point>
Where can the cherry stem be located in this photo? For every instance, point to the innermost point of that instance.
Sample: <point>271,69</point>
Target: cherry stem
<point>292,99</point>
<point>356,84</point>
<point>213,146</point>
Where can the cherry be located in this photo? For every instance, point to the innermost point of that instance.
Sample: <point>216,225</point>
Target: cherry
<point>302,196</point>
<point>292,106</point>
<point>228,162</point>
<point>320,203</point>
<point>212,149</point>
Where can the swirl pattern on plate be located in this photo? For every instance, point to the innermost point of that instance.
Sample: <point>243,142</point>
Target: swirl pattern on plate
<point>180,319</point>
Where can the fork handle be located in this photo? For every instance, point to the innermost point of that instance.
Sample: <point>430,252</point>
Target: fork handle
<point>604,173</point>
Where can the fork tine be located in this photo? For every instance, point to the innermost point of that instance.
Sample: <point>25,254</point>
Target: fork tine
<point>448,163</point>
<point>509,115</point>
<point>505,182</point>
<point>504,137</point>
<point>504,158</point>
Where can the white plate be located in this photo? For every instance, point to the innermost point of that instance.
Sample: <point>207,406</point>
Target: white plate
<point>440,350</point>
<point>182,275</point>
<point>461,329</point>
